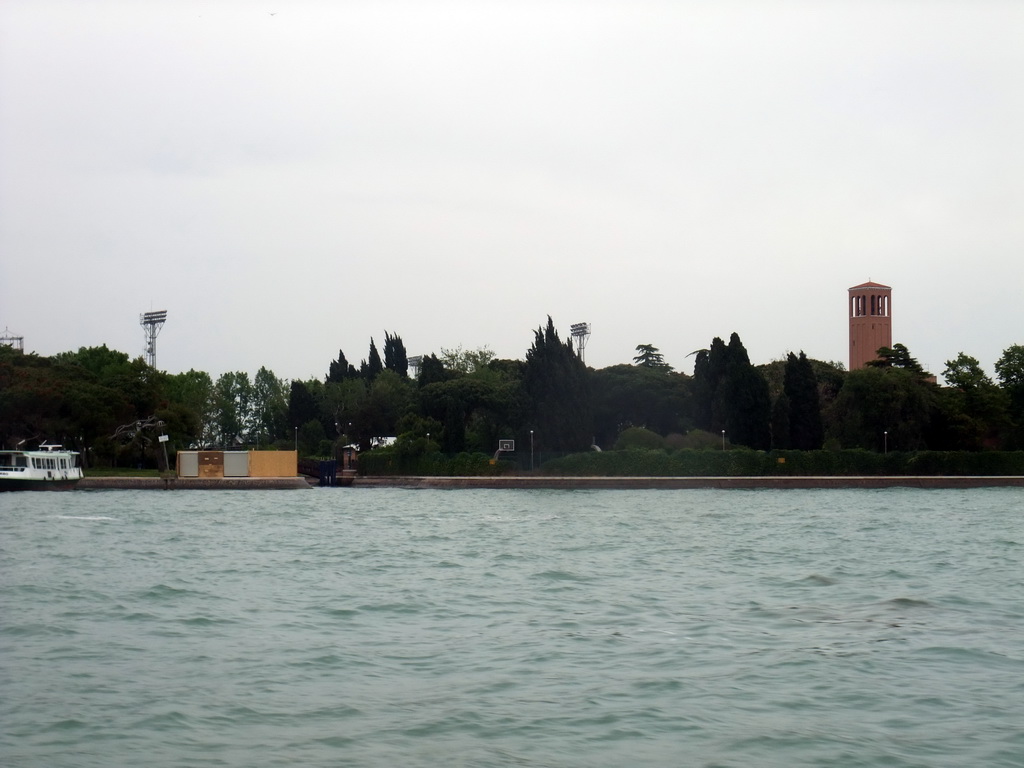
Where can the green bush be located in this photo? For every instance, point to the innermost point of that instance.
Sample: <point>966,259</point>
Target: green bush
<point>638,437</point>
<point>419,459</point>
<point>396,461</point>
<point>747,463</point>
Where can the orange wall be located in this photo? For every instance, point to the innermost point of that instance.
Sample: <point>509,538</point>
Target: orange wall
<point>273,464</point>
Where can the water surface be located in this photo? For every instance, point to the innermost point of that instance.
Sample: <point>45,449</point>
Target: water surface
<point>389,627</point>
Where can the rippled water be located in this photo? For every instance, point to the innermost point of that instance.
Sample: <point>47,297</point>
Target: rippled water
<point>512,628</point>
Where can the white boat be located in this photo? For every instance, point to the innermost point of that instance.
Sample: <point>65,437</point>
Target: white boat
<point>51,468</point>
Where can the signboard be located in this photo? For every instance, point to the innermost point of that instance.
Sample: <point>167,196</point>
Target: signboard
<point>507,445</point>
<point>163,438</point>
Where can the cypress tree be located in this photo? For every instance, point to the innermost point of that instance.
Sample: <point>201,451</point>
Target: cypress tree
<point>800,385</point>
<point>780,423</point>
<point>374,366</point>
<point>340,369</point>
<point>302,406</point>
<point>703,391</point>
<point>395,358</point>
<point>432,371</point>
<point>745,402</point>
<point>708,373</point>
<point>555,380</point>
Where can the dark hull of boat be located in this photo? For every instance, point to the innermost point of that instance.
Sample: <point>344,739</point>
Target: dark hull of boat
<point>17,484</point>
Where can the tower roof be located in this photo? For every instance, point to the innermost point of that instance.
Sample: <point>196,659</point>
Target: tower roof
<point>870,284</point>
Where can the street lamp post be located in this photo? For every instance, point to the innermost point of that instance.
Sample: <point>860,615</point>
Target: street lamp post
<point>885,443</point>
<point>723,439</point>
<point>296,441</point>
<point>531,450</point>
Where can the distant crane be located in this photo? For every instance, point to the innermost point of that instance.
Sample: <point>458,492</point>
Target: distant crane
<point>151,323</point>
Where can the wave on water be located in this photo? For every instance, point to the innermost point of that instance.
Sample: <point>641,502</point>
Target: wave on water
<point>511,628</point>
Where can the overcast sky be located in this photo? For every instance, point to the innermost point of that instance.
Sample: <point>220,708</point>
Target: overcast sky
<point>289,178</point>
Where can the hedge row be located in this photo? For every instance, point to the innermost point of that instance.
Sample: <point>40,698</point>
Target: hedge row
<point>741,463</point>
<point>388,461</point>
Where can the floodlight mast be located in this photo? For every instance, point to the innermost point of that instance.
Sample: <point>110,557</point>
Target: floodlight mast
<point>151,323</point>
<point>580,333</point>
<point>10,340</point>
<point>415,363</point>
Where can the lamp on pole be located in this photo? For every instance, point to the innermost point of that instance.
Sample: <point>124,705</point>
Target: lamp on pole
<point>885,441</point>
<point>723,439</point>
<point>296,441</point>
<point>531,450</point>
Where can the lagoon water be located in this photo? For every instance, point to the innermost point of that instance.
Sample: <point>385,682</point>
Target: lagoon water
<point>387,627</point>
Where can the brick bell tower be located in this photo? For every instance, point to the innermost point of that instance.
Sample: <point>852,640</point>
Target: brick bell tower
<point>870,322</point>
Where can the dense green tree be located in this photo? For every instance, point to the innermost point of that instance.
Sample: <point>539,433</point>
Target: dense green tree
<point>461,360</point>
<point>138,383</point>
<point>340,407</point>
<point>800,385</point>
<point>472,407</point>
<point>395,358</point>
<point>1010,372</point>
<point>972,413</point>
<point>897,356</point>
<point>626,396</point>
<point>877,400</point>
<point>1010,366</point>
<point>555,380</point>
<point>964,372</point>
<point>194,390</point>
<point>233,400</point>
<point>302,406</point>
<point>100,361</point>
<point>648,356</point>
<point>454,434</point>
<point>310,437</point>
<point>269,408</point>
<point>432,370</point>
<point>388,400</point>
<point>57,400</point>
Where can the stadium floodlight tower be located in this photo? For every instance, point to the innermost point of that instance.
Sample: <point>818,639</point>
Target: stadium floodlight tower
<point>415,363</point>
<point>151,323</point>
<point>10,340</point>
<point>580,333</point>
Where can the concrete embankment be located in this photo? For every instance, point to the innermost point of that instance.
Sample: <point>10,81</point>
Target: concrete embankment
<point>676,483</point>
<point>190,483</point>
<point>553,483</point>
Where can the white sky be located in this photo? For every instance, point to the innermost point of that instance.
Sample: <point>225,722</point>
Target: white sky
<point>291,177</point>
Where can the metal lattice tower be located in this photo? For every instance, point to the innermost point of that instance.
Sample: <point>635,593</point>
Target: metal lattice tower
<point>580,333</point>
<point>151,323</point>
<point>10,340</point>
<point>415,363</point>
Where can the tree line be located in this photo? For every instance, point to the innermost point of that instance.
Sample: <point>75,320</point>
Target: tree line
<point>112,408</point>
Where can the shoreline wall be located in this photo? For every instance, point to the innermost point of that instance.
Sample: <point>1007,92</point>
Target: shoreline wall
<point>558,483</point>
<point>683,483</point>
